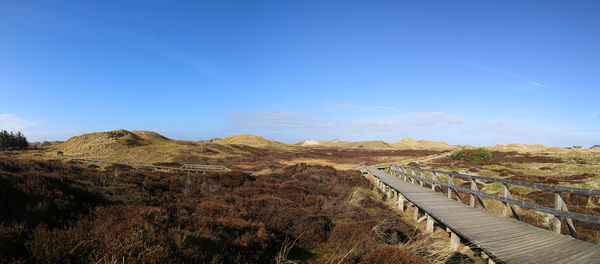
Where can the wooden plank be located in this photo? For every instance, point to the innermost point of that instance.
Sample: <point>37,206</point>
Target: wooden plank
<point>570,250</point>
<point>518,248</point>
<point>573,215</point>
<point>506,238</point>
<point>550,253</point>
<point>585,256</point>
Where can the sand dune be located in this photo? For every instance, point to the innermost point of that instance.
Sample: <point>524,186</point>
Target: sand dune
<point>527,148</point>
<point>336,143</point>
<point>151,146</point>
<point>251,140</point>
<point>409,143</point>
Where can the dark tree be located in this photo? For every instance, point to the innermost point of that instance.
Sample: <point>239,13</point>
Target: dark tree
<point>12,140</point>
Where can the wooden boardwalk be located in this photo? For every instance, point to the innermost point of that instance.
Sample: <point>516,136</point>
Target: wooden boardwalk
<point>504,239</point>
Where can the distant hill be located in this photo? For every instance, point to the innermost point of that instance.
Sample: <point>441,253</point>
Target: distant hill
<point>409,143</point>
<point>116,143</point>
<point>369,145</point>
<point>526,148</point>
<point>115,139</point>
<point>151,147</point>
<point>45,143</point>
<point>251,140</point>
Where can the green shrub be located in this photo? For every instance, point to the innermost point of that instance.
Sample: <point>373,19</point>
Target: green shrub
<point>479,155</point>
<point>458,155</point>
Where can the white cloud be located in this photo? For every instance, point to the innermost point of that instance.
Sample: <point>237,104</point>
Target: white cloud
<point>13,122</point>
<point>32,129</point>
<point>553,134</point>
<point>50,135</point>
<point>292,127</point>
<point>297,126</point>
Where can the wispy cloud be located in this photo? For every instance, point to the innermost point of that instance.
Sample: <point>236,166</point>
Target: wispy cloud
<point>487,68</point>
<point>297,126</point>
<point>526,85</point>
<point>539,85</point>
<point>454,128</point>
<point>362,108</point>
<point>50,135</point>
<point>13,122</point>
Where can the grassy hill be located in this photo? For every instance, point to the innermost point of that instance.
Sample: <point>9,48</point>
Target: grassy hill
<point>409,143</point>
<point>252,152</point>
<point>370,145</point>
<point>252,141</point>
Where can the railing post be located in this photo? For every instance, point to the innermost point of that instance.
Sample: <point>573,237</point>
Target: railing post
<point>400,202</point>
<point>472,196</point>
<point>451,182</point>
<point>505,195</point>
<point>416,215</point>
<point>454,241</point>
<point>435,178</point>
<point>557,206</point>
<point>563,207</point>
<point>430,224</point>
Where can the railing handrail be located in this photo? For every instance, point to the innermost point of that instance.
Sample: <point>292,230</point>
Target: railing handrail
<point>512,182</point>
<point>567,214</point>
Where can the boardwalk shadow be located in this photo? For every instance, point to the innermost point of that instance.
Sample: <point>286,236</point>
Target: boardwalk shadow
<point>458,258</point>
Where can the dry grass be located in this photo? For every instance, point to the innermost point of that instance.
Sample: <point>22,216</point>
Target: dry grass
<point>244,152</point>
<point>578,168</point>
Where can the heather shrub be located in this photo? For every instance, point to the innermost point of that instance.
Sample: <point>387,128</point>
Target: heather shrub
<point>12,242</point>
<point>479,155</point>
<point>55,212</point>
<point>458,155</point>
<point>390,254</point>
<point>69,245</point>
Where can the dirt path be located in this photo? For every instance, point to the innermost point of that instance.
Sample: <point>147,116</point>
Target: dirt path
<point>429,158</point>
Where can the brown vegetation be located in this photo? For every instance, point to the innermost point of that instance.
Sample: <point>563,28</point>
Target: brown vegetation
<point>67,212</point>
<point>245,152</point>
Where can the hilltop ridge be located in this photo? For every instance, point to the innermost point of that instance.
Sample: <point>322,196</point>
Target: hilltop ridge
<point>151,147</point>
<point>113,143</point>
<point>251,140</point>
<point>409,143</point>
<point>336,143</point>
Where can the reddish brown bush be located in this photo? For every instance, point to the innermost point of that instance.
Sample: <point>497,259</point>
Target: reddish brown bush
<point>390,254</point>
<point>69,212</point>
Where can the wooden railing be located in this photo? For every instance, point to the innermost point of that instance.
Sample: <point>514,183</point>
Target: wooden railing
<point>559,210</point>
<point>205,167</point>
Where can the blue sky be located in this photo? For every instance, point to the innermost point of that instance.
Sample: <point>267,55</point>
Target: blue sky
<point>464,72</point>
